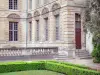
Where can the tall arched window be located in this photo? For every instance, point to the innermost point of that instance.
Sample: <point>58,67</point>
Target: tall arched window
<point>30,26</point>
<point>30,4</point>
<point>36,16</point>
<point>56,12</point>
<point>45,13</point>
<point>46,1</point>
<point>37,3</point>
<point>13,27</point>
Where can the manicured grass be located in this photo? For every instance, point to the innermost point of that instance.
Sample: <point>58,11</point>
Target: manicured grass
<point>33,72</point>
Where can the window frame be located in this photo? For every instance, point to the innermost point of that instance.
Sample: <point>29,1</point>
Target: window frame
<point>46,29</point>
<point>13,4</point>
<point>30,31</point>
<point>57,27</point>
<point>30,4</point>
<point>37,30</point>
<point>13,28</point>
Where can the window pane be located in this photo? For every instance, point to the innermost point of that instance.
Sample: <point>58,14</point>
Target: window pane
<point>10,26</point>
<point>10,36</point>
<point>15,36</point>
<point>10,4</point>
<point>15,26</point>
<point>15,4</point>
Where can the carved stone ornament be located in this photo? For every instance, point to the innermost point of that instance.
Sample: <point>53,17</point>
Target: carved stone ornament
<point>45,12</point>
<point>29,17</point>
<point>36,15</point>
<point>13,17</point>
<point>56,9</point>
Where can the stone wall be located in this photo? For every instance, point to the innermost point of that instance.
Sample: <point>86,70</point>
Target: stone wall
<point>67,24</point>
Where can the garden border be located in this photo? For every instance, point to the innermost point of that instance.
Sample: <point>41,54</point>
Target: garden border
<point>46,65</point>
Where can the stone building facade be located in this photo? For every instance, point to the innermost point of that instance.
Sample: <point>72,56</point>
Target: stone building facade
<point>43,23</point>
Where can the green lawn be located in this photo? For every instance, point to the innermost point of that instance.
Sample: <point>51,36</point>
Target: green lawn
<point>33,72</point>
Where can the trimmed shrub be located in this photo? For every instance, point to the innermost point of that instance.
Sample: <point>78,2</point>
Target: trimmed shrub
<point>20,66</point>
<point>70,64</point>
<point>69,70</point>
<point>46,65</point>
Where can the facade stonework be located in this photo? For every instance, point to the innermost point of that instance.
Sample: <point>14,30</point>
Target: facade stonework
<point>66,10</point>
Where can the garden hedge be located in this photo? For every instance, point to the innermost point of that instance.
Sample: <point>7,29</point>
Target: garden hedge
<point>69,70</point>
<point>20,66</point>
<point>70,64</point>
<point>45,65</point>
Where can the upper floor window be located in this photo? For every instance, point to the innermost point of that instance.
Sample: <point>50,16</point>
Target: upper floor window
<point>37,3</point>
<point>30,4</point>
<point>13,4</point>
<point>46,1</point>
<point>13,31</point>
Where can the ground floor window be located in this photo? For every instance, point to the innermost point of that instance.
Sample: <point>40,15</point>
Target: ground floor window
<point>30,31</point>
<point>46,29</point>
<point>13,31</point>
<point>57,27</point>
<point>37,30</point>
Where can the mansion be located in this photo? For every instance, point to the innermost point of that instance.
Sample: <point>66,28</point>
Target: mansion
<point>43,23</point>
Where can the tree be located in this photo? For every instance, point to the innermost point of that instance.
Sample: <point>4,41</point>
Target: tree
<point>92,23</point>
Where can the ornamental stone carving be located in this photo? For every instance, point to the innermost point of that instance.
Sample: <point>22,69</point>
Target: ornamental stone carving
<point>29,17</point>
<point>56,9</point>
<point>36,15</point>
<point>13,17</point>
<point>45,12</point>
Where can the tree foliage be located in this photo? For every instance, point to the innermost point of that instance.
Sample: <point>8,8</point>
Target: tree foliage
<point>92,23</point>
<point>92,19</point>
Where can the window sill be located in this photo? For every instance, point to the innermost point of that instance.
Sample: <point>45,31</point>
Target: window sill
<point>13,10</point>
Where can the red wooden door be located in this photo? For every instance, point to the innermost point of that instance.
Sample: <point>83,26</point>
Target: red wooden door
<point>78,31</point>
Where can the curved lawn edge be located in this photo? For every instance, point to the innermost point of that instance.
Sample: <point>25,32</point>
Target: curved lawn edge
<point>33,72</point>
<point>45,65</point>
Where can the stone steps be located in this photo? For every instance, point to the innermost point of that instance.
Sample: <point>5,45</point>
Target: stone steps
<point>83,54</point>
<point>61,57</point>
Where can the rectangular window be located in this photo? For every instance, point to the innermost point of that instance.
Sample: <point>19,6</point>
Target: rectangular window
<point>13,31</point>
<point>46,29</point>
<point>57,27</point>
<point>37,30</point>
<point>46,1</point>
<point>30,4</point>
<point>37,3</point>
<point>30,31</point>
<point>13,4</point>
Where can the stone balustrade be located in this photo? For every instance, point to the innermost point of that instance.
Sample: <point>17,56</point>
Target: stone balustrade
<point>28,51</point>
